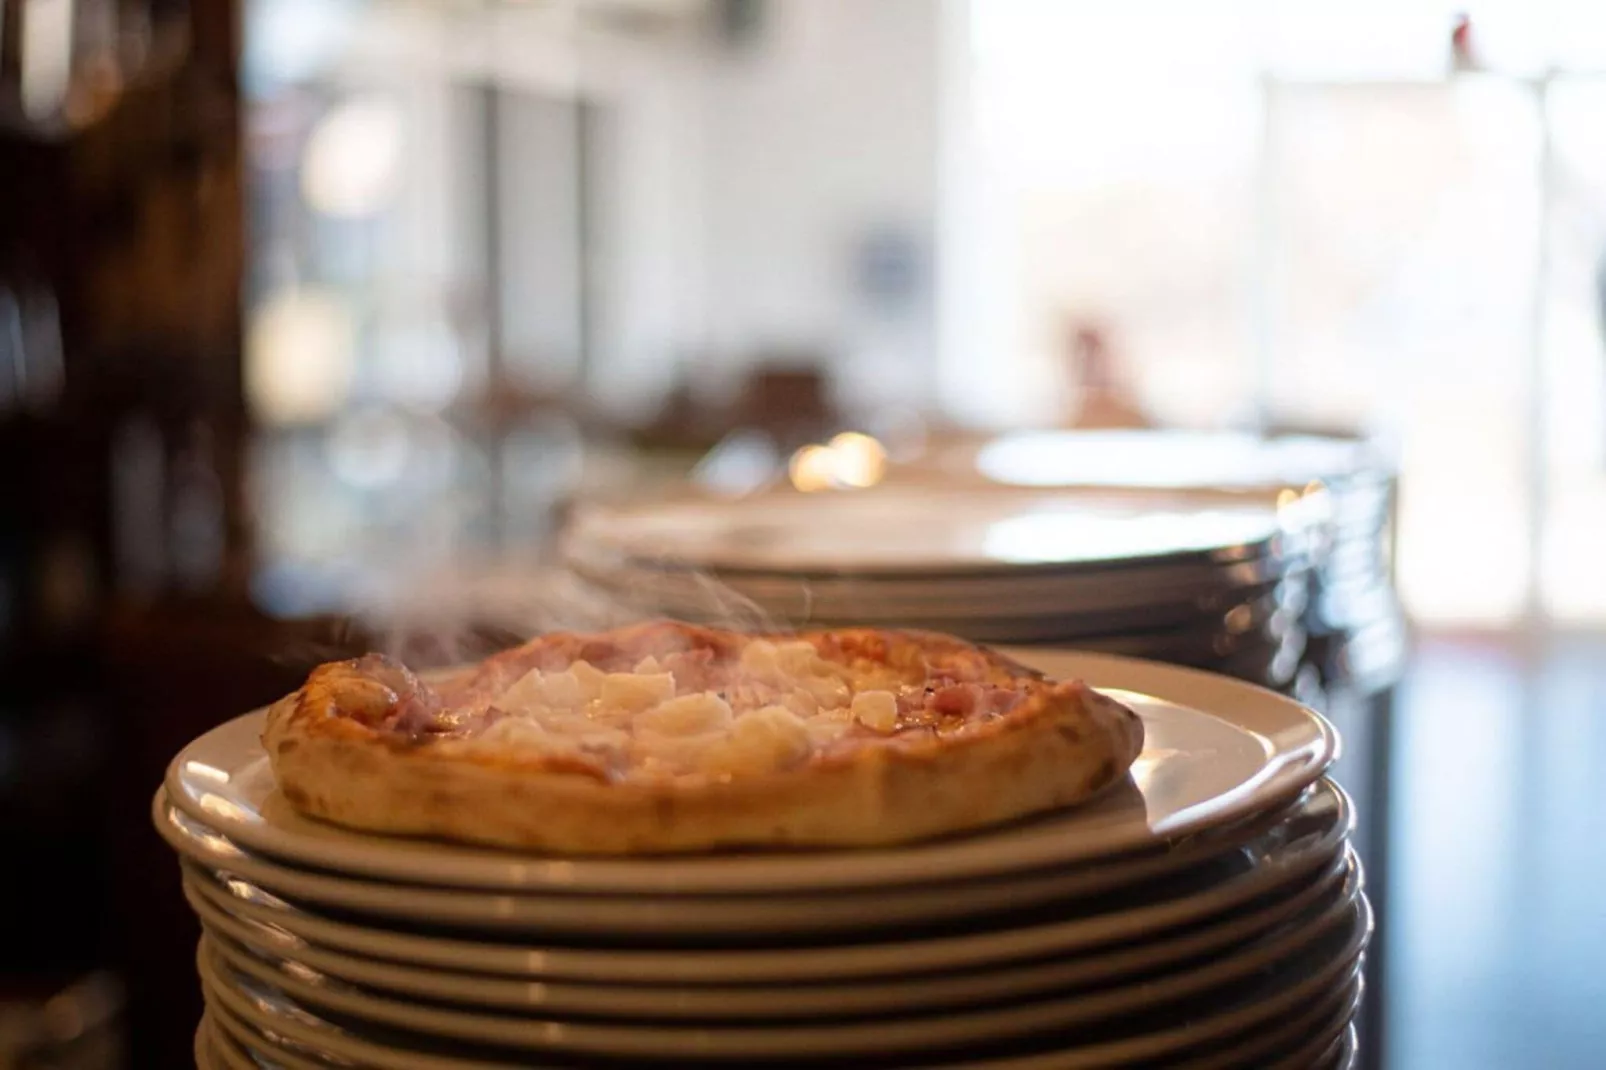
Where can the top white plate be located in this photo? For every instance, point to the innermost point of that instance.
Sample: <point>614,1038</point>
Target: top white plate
<point>1168,460</point>
<point>1216,750</point>
<point>890,532</point>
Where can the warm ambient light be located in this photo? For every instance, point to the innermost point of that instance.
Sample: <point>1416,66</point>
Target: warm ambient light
<point>298,356</point>
<point>810,469</point>
<point>858,459</point>
<point>850,460</point>
<point>351,162</point>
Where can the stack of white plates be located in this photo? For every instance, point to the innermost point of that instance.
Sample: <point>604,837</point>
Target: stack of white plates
<point>1354,619</point>
<point>1217,584</point>
<point>1206,913</point>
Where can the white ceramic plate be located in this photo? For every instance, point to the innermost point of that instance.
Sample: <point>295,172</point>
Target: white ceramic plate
<point>1346,1052</point>
<point>1328,892</point>
<point>1311,840</point>
<point>1278,998</point>
<point>243,1047</point>
<point>239,1047</point>
<point>1321,1046</point>
<point>950,598</point>
<point>1329,966</point>
<point>1307,1036</point>
<point>1295,1043</point>
<point>206,1055</point>
<point>703,917</point>
<point>889,532</point>
<point>1217,750</point>
<point>269,1024</point>
<point>1269,610</point>
<point>226,1055</point>
<point>799,913</point>
<point>642,1041</point>
<point>223,1057</point>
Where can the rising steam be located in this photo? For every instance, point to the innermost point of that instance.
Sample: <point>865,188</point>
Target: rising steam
<point>455,617</point>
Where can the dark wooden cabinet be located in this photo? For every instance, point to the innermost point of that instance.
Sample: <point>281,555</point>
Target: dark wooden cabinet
<point>122,529</point>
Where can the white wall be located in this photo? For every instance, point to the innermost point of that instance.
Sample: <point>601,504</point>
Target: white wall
<point>735,185</point>
<point>822,129</point>
<point>540,269</point>
<point>650,262</point>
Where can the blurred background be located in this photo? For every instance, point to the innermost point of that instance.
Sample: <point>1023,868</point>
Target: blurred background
<point>302,299</point>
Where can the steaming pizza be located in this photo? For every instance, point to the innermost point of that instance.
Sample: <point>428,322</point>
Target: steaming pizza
<point>669,737</point>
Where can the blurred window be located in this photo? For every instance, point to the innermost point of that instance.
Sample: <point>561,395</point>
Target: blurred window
<point>1384,217</point>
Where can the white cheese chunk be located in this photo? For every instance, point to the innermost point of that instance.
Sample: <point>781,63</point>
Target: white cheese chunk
<point>801,702</point>
<point>760,741</point>
<point>782,704</point>
<point>827,726</point>
<point>629,691</point>
<point>877,710</point>
<point>524,696</point>
<point>798,659</point>
<point>585,730</point>
<point>562,690</point>
<point>759,660</point>
<point>828,691</point>
<point>589,677</point>
<point>686,715</point>
<point>516,732</point>
<point>672,755</point>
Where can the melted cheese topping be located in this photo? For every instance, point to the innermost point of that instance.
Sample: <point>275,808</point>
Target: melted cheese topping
<point>783,702</point>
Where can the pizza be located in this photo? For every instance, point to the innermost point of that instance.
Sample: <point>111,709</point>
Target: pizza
<point>670,737</point>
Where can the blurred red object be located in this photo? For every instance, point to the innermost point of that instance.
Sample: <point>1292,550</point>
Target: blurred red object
<point>1103,400</point>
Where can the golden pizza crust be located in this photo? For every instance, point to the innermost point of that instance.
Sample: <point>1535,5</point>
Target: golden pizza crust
<point>337,757</point>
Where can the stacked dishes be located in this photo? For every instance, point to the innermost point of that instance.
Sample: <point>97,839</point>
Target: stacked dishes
<point>1354,632</point>
<point>1214,584</point>
<point>1353,619</point>
<point>1208,912</point>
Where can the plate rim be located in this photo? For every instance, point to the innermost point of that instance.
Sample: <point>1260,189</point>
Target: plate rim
<point>1324,1021</point>
<point>229,1028</point>
<point>794,913</point>
<point>976,854</point>
<point>680,916</point>
<point>556,1037</point>
<point>1119,1053</point>
<point>935,954</point>
<point>644,967</point>
<point>226,1052</point>
<point>204,1045</point>
<point>1345,965</point>
<point>595,530</point>
<point>1332,886</point>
